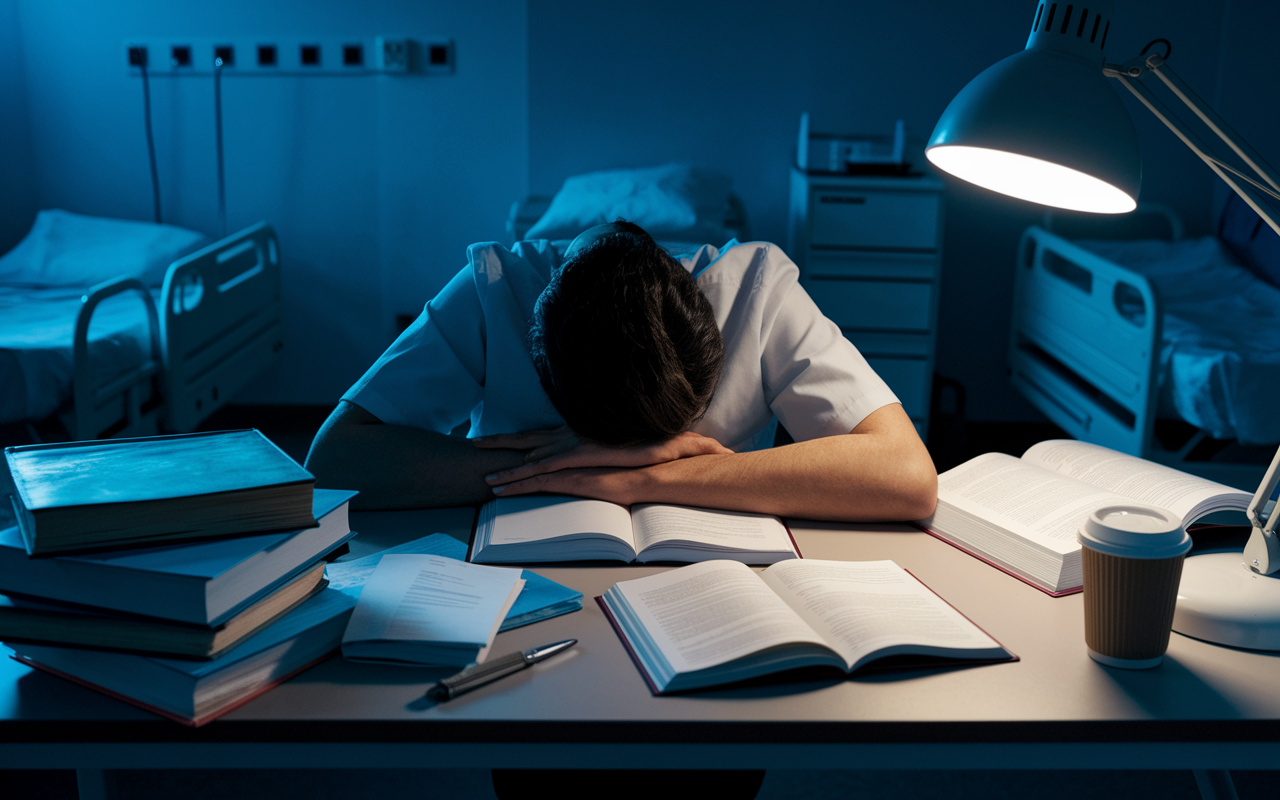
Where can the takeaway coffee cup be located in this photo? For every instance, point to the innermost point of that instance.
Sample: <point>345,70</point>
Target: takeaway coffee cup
<point>1132,565</point>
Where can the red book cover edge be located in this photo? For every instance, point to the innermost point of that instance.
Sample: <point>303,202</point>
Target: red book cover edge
<point>189,722</point>
<point>1063,593</point>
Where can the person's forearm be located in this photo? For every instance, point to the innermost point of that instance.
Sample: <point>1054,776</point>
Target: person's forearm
<point>850,477</point>
<point>398,467</point>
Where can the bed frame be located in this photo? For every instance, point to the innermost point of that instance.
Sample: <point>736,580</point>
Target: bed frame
<point>1085,346</point>
<point>219,325</point>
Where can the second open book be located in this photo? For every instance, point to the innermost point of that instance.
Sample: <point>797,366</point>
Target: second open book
<point>720,622</point>
<point>517,530</point>
<point>1022,514</point>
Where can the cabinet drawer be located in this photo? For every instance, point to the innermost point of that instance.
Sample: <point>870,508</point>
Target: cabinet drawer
<point>846,264</point>
<point>844,218</point>
<point>881,305</point>
<point>909,380</point>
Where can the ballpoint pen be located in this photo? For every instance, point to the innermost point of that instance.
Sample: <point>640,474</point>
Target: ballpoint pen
<point>480,674</point>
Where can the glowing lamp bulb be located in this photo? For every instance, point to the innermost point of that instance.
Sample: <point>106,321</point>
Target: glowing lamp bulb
<point>1032,179</point>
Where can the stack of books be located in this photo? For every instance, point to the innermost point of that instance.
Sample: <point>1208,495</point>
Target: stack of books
<point>170,571</point>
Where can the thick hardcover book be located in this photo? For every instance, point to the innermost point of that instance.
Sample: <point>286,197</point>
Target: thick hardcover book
<point>1021,515</point>
<point>83,496</point>
<point>202,583</point>
<point>34,621</point>
<point>719,622</point>
<point>542,528</point>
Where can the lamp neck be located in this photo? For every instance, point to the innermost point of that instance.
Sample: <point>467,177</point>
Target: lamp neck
<point>1078,28</point>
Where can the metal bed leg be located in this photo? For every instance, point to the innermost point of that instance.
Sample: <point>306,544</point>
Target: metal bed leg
<point>97,784</point>
<point>1214,784</point>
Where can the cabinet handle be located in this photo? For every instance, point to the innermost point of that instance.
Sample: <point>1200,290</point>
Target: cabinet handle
<point>846,199</point>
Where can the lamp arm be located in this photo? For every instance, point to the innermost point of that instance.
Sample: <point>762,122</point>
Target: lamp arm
<point>1130,74</point>
<point>1262,551</point>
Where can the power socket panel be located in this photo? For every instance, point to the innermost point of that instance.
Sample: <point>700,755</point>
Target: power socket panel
<point>175,57</point>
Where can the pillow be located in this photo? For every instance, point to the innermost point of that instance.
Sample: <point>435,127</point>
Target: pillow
<point>65,249</point>
<point>675,201</point>
<point>1247,237</point>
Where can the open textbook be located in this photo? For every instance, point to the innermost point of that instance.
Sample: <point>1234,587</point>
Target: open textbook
<point>516,530</point>
<point>1022,514</point>
<point>720,622</point>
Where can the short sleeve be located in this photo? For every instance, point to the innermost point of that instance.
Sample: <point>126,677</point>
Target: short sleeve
<point>815,381</point>
<point>433,375</point>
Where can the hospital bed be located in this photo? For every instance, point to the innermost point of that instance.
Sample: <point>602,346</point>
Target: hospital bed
<point>124,357</point>
<point>1110,335</point>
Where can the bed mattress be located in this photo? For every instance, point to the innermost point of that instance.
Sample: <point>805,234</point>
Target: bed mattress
<point>37,328</point>
<point>1220,357</point>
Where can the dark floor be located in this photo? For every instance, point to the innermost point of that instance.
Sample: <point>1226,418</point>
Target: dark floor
<point>778,785</point>
<point>951,442</point>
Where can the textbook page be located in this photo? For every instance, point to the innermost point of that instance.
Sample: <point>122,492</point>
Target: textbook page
<point>864,607</point>
<point>1188,496</point>
<point>713,612</point>
<point>1019,496</point>
<point>656,524</point>
<point>535,518</point>
<point>432,599</point>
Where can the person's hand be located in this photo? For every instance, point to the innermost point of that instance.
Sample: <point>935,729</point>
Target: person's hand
<point>559,461</point>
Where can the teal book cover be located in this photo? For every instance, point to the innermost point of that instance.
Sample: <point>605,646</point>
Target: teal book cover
<point>149,468</point>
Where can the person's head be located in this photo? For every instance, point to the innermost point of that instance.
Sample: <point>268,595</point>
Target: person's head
<point>625,344</point>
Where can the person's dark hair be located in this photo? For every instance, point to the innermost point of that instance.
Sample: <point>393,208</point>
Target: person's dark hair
<point>625,344</point>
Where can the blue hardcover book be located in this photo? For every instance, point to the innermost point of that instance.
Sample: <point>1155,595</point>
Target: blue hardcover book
<point>195,692</point>
<point>81,496</point>
<point>204,583</point>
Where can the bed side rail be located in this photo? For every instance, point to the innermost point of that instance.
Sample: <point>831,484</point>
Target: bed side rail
<point>126,404</point>
<point>1085,342</point>
<point>221,323</point>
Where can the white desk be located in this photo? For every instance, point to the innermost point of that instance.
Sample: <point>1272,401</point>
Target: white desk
<point>1206,707</point>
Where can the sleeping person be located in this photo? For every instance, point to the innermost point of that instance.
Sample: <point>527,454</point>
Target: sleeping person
<point>617,372</point>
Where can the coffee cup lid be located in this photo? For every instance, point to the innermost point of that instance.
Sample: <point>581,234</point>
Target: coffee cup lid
<point>1134,531</point>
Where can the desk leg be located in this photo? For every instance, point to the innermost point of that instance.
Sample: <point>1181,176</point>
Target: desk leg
<point>1214,784</point>
<point>96,784</point>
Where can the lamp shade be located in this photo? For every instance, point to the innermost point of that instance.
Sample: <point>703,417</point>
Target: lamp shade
<point>1044,124</point>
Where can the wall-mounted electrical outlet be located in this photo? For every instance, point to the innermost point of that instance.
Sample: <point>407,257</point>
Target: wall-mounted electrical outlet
<point>391,55</point>
<point>438,57</point>
<point>288,55</point>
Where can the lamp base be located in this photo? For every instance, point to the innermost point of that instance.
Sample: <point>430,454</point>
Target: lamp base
<point>1221,600</point>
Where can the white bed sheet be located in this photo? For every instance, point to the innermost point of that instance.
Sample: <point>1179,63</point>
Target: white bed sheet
<point>1220,359</point>
<point>37,329</point>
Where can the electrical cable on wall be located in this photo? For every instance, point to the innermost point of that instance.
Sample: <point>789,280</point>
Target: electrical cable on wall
<point>217,117</point>
<point>151,141</point>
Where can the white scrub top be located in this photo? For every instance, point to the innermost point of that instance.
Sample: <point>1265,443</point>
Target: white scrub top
<point>467,354</point>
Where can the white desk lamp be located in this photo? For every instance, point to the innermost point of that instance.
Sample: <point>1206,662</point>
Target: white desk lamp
<point>1043,125</point>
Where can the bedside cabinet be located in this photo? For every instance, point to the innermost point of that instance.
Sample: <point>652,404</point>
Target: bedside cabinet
<point>870,254</point>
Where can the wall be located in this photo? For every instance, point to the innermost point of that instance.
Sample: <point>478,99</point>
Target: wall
<point>374,184</point>
<point>1245,94</point>
<point>724,85</point>
<point>17,178</point>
